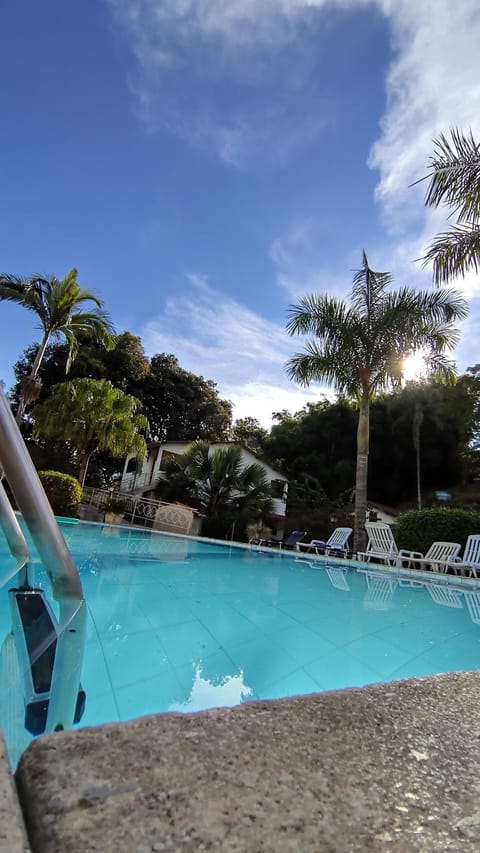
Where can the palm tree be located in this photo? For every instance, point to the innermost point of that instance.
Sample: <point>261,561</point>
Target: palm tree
<point>359,348</point>
<point>92,415</point>
<point>57,304</point>
<point>225,489</point>
<point>455,181</point>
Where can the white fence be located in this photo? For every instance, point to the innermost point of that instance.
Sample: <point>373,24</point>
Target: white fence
<point>160,515</point>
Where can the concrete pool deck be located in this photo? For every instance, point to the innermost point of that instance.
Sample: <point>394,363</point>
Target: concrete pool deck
<point>388,767</point>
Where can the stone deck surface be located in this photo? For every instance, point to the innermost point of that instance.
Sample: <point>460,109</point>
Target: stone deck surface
<point>388,767</point>
<point>13,837</point>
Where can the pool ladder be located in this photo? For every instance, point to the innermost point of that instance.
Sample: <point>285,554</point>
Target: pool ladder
<point>54,659</point>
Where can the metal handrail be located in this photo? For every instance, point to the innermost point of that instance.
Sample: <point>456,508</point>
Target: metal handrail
<point>14,536</point>
<point>32,502</point>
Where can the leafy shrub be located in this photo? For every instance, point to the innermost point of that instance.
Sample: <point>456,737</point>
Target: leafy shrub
<point>63,491</point>
<point>417,529</point>
<point>115,504</point>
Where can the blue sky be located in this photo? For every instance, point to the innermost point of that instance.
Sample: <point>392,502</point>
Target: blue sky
<point>205,162</point>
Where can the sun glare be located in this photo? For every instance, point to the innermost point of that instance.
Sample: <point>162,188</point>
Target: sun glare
<point>414,367</point>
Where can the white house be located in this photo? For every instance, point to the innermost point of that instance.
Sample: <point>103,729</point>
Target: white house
<point>144,478</point>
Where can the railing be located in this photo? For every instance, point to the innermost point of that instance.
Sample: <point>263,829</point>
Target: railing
<point>132,482</point>
<point>146,511</point>
<point>15,540</point>
<point>135,482</point>
<point>32,502</point>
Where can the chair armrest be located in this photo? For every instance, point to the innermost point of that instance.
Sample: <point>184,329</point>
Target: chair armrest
<point>335,549</point>
<point>310,546</point>
<point>414,555</point>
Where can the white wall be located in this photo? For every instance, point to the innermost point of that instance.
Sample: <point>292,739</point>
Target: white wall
<point>152,465</point>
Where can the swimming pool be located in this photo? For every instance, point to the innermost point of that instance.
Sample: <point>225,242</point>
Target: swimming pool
<point>177,624</point>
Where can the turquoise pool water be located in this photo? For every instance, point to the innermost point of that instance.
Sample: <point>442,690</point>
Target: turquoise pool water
<point>181,625</point>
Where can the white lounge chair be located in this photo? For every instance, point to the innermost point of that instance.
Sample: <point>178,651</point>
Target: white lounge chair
<point>381,545</point>
<point>470,561</point>
<point>287,542</point>
<point>335,546</point>
<point>436,558</point>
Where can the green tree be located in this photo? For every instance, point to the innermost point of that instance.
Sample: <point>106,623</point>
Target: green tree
<point>359,348</point>
<point>247,431</point>
<point>468,407</point>
<point>57,304</point>
<point>181,406</point>
<point>177,404</point>
<point>91,415</point>
<point>318,441</point>
<point>454,180</point>
<point>218,482</point>
<point>125,365</point>
<point>443,433</point>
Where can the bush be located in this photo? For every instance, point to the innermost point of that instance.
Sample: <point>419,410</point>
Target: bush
<point>417,529</point>
<point>63,491</point>
<point>115,504</point>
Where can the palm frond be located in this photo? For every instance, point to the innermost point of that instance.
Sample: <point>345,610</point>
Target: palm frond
<point>368,288</point>
<point>455,175</point>
<point>454,252</point>
<point>67,292</point>
<point>439,365</point>
<point>442,304</point>
<point>315,313</point>
<point>24,291</point>
<point>315,364</point>
<point>362,348</point>
<point>95,324</point>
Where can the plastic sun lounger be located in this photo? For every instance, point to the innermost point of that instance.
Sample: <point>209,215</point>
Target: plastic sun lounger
<point>436,559</point>
<point>335,546</point>
<point>381,544</point>
<point>289,541</point>
<point>470,561</point>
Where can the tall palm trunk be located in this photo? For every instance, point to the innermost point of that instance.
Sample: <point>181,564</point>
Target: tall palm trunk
<point>34,388</point>
<point>363,439</point>
<point>417,422</point>
<point>84,463</point>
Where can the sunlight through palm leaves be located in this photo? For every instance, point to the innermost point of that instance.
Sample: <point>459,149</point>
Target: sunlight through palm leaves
<point>360,347</point>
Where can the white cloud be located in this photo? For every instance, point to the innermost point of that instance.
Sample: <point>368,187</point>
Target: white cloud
<point>220,339</point>
<point>188,52</point>
<point>432,84</point>
<point>468,352</point>
<point>266,50</point>
<point>298,256</point>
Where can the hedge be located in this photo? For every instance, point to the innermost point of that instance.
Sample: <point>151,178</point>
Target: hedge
<point>63,492</point>
<point>417,529</point>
